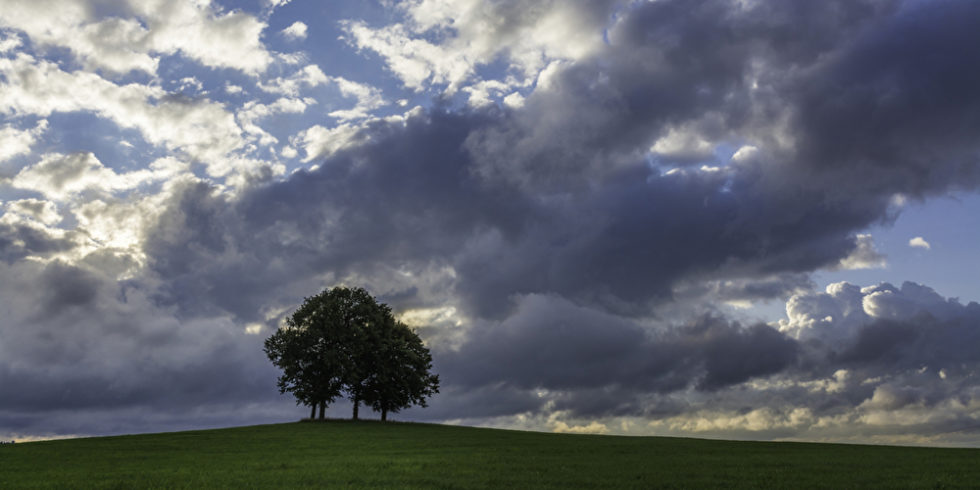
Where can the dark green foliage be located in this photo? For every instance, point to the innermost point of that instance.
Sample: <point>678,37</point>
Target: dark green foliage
<point>400,377</point>
<point>343,341</point>
<point>343,454</point>
<point>309,362</point>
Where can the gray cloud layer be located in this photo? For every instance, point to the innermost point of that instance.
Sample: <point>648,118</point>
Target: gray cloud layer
<point>567,239</point>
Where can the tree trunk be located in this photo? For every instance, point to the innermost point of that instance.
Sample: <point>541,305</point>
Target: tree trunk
<point>384,414</point>
<point>323,406</point>
<point>356,403</point>
<point>312,411</point>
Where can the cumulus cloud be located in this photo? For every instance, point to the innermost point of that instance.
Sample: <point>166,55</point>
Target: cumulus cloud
<point>296,30</point>
<point>25,235</point>
<point>253,112</point>
<point>62,176</point>
<point>864,255</point>
<point>368,98</point>
<point>528,34</point>
<point>919,242</point>
<point>141,32</point>
<point>15,141</point>
<point>320,142</point>
<point>308,76</point>
<point>202,129</point>
<point>903,347</point>
<point>9,42</point>
<point>45,212</point>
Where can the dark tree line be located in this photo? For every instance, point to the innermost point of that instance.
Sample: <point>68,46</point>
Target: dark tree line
<point>343,342</point>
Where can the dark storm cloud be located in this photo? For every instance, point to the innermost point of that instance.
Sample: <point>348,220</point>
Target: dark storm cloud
<point>488,401</point>
<point>65,286</point>
<point>898,107</point>
<point>75,339</point>
<point>668,64</point>
<point>552,344</point>
<point>919,355</point>
<point>407,199</point>
<point>923,341</point>
<point>414,199</point>
<point>752,289</point>
<point>19,240</point>
<point>556,197</point>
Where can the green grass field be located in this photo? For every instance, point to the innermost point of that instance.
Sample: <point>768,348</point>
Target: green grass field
<point>399,455</point>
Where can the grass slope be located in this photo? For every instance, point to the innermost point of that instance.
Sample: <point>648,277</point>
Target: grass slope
<point>370,454</point>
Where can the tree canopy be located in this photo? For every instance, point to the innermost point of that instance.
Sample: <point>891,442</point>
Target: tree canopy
<point>344,342</point>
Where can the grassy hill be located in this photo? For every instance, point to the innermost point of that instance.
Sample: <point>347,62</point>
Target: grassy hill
<point>370,454</point>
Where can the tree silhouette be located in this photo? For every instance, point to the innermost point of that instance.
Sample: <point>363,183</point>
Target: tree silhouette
<point>401,376</point>
<point>343,341</point>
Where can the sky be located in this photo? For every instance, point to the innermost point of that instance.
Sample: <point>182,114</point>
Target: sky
<point>741,219</point>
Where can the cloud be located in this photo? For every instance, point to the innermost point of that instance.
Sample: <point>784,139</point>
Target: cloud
<point>9,42</point>
<point>368,99</point>
<point>200,128</point>
<point>848,313</point>
<point>548,343</point>
<point>14,142</point>
<point>308,76</point>
<point>62,176</point>
<point>135,34</point>
<point>851,108</point>
<point>593,427</point>
<point>864,255</point>
<point>45,212</point>
<point>380,179</point>
<point>23,235</point>
<point>320,142</point>
<point>566,254</point>
<point>253,112</point>
<point>878,361</point>
<point>919,242</point>
<point>111,340</point>
<point>296,30</point>
<point>526,34</point>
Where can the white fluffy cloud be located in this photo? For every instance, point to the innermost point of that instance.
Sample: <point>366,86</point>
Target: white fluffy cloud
<point>321,142</point>
<point>253,112</point>
<point>44,212</point>
<point>63,176</point>
<point>308,76</point>
<point>120,44</point>
<point>864,256</point>
<point>836,314</point>
<point>201,129</point>
<point>919,242</point>
<point>368,99</point>
<point>683,145</point>
<point>474,33</point>
<point>15,141</point>
<point>296,30</point>
<point>9,42</point>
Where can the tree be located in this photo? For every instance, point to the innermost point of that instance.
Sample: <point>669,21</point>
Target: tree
<point>317,347</point>
<point>401,370</point>
<point>343,341</point>
<point>294,350</point>
<point>363,314</point>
